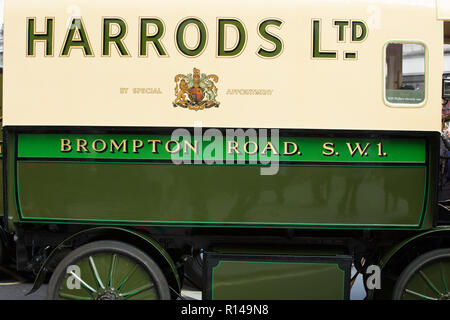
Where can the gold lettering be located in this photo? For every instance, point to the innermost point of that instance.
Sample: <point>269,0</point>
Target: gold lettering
<point>380,150</point>
<point>137,144</point>
<point>176,149</point>
<point>255,150</point>
<point>65,145</point>
<point>362,152</point>
<point>286,148</point>
<point>102,149</point>
<point>271,147</point>
<point>154,144</point>
<point>192,147</point>
<point>116,147</point>
<point>234,147</point>
<point>328,146</point>
<point>82,145</point>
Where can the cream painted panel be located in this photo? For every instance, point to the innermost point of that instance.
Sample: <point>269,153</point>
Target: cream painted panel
<point>306,92</point>
<point>443,9</point>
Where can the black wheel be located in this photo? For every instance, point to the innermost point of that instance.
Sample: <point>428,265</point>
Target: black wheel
<point>108,270</point>
<point>426,278</point>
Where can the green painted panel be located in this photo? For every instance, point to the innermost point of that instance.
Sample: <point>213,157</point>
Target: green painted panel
<point>300,195</point>
<point>1,187</point>
<point>405,96</point>
<point>274,250</point>
<point>159,147</point>
<point>239,280</point>
<point>1,93</point>
<point>10,206</point>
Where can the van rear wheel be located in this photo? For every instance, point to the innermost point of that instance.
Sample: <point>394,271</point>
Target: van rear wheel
<point>108,270</point>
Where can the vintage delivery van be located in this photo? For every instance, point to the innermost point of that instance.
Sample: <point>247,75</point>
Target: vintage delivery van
<point>255,150</point>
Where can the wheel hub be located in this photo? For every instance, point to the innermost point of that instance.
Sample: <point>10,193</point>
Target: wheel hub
<point>445,296</point>
<point>108,295</point>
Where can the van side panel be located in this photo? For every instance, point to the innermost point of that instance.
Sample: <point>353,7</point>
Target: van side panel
<point>54,185</point>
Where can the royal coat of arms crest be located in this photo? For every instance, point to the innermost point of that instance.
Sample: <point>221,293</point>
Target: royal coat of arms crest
<point>196,91</point>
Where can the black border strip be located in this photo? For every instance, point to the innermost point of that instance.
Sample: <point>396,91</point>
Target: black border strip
<point>16,177</point>
<point>167,161</point>
<point>5,180</point>
<point>287,132</point>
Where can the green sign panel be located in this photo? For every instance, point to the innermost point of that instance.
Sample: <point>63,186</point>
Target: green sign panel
<point>219,149</point>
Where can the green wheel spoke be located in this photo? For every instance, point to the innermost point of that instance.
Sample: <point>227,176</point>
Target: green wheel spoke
<point>111,270</point>
<point>127,277</point>
<point>136,291</point>
<point>83,283</point>
<point>72,296</point>
<point>430,284</point>
<point>422,296</point>
<point>444,280</point>
<point>96,275</point>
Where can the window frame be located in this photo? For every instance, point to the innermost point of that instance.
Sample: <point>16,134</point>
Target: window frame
<point>426,75</point>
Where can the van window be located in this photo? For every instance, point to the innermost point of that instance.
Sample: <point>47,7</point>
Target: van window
<point>405,74</point>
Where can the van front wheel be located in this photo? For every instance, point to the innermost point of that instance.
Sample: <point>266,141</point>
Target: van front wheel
<point>108,270</point>
<point>425,278</point>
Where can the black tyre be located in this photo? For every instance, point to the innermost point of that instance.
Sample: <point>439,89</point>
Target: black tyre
<point>425,278</point>
<point>108,270</point>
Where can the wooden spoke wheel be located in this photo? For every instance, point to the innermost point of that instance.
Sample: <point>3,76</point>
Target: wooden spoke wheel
<point>108,270</point>
<point>426,278</point>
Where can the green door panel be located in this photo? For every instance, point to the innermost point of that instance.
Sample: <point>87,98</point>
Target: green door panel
<point>299,195</point>
<point>282,281</point>
<point>276,276</point>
